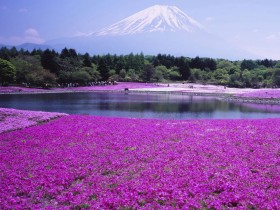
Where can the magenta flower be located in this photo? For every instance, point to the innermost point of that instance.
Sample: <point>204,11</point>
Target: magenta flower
<point>116,163</point>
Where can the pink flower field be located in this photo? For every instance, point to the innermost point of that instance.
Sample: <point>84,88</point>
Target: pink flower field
<point>80,162</point>
<point>13,119</point>
<point>270,93</point>
<point>119,86</point>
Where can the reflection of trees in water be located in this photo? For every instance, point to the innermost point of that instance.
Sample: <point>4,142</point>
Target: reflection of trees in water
<point>167,107</point>
<point>260,108</point>
<point>161,103</point>
<point>201,106</point>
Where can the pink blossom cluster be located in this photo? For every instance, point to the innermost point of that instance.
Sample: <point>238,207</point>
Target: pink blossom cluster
<point>266,93</point>
<point>13,119</point>
<point>79,162</point>
<point>119,86</point>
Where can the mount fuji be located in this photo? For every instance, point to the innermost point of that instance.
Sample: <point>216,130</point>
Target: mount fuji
<point>157,18</point>
<point>157,29</point>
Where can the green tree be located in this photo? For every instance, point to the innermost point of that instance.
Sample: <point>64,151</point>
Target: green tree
<point>148,72</point>
<point>158,75</point>
<point>94,74</point>
<point>221,76</point>
<point>41,78</point>
<point>184,68</point>
<point>132,75</point>
<point>120,64</point>
<point>86,60</point>
<point>103,69</point>
<point>22,69</point>
<point>276,77</point>
<point>7,72</point>
<point>196,74</point>
<point>164,71</point>
<point>229,66</point>
<point>4,53</point>
<point>247,78</point>
<point>248,64</point>
<point>122,73</point>
<point>49,61</point>
<point>235,80</point>
<point>81,77</point>
<point>64,77</point>
<point>277,65</point>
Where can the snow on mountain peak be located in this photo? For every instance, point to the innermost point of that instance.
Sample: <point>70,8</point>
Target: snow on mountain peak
<point>152,19</point>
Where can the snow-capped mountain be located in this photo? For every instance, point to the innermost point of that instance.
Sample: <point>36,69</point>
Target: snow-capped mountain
<point>157,29</point>
<point>153,19</point>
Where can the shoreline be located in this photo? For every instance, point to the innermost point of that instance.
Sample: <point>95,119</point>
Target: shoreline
<point>221,96</point>
<point>248,95</point>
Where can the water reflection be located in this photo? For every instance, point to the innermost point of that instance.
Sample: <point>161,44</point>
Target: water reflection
<point>139,105</point>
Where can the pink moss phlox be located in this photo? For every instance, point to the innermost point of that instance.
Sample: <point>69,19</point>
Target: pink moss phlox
<point>116,163</point>
<point>119,86</point>
<point>13,119</point>
<point>266,93</point>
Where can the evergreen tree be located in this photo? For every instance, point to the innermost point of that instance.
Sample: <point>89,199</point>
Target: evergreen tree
<point>86,61</point>
<point>276,77</point>
<point>64,53</point>
<point>49,61</point>
<point>248,64</point>
<point>184,68</point>
<point>103,70</point>
<point>148,72</point>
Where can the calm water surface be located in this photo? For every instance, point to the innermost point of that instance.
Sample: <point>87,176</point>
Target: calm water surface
<point>140,105</point>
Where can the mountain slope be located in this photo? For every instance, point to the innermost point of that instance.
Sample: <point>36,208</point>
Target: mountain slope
<point>157,29</point>
<point>156,18</point>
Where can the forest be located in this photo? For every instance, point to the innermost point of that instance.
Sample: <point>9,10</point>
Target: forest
<point>48,68</point>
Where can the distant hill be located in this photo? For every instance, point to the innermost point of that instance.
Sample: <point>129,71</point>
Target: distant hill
<point>4,45</point>
<point>28,46</point>
<point>32,46</point>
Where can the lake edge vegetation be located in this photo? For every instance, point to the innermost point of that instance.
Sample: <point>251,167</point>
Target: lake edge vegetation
<point>48,68</point>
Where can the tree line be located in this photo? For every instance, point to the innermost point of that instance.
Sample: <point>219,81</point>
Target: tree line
<point>50,68</point>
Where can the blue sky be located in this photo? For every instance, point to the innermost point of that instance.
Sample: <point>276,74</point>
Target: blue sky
<point>253,25</point>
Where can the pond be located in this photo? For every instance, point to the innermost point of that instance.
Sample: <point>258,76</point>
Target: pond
<point>144,105</point>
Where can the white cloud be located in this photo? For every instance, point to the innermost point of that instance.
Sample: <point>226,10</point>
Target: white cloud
<point>210,19</point>
<point>31,32</point>
<point>79,33</point>
<point>275,36</point>
<point>23,10</point>
<point>30,35</point>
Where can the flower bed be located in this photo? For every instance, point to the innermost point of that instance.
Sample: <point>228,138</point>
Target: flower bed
<point>116,163</point>
<point>267,93</point>
<point>119,86</point>
<point>12,119</point>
